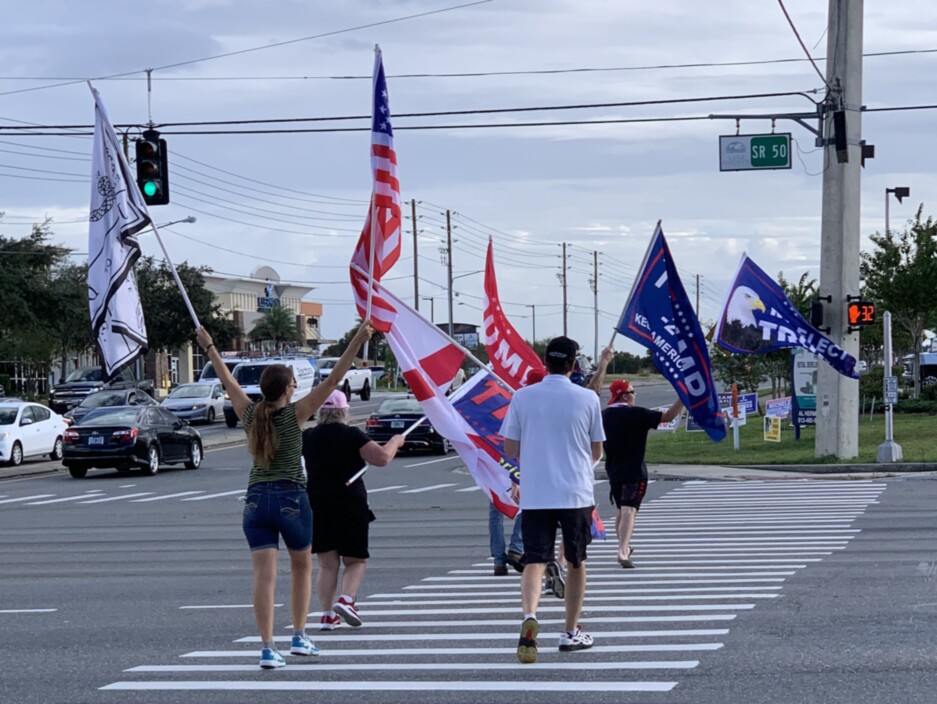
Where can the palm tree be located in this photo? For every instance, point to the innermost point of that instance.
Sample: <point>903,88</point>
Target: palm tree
<point>277,325</point>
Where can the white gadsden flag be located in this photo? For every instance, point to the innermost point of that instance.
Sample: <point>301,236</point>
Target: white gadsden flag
<point>118,213</point>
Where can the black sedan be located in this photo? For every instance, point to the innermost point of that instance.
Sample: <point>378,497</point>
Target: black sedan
<point>108,398</point>
<point>130,436</point>
<point>395,415</point>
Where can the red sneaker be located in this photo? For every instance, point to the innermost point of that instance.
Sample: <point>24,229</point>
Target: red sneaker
<point>348,612</point>
<point>329,623</point>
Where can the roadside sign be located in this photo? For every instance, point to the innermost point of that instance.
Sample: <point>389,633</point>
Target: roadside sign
<point>891,390</point>
<point>772,429</point>
<point>739,421</point>
<point>804,385</point>
<point>755,152</point>
<point>671,424</point>
<point>778,407</point>
<point>747,401</point>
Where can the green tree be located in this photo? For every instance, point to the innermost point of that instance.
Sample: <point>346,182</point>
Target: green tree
<point>70,326</point>
<point>278,325</point>
<point>377,348</point>
<point>899,274</point>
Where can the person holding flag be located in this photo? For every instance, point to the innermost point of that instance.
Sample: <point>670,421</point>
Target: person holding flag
<point>276,504</point>
<point>626,427</point>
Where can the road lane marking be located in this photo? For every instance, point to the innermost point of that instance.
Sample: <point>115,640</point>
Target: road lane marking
<point>441,459</point>
<point>558,609</point>
<point>512,622</point>
<point>387,488</point>
<point>426,488</point>
<point>26,498</point>
<point>470,488</point>
<point>58,501</point>
<point>221,606</point>
<point>27,611</point>
<point>393,637</point>
<point>117,498</point>
<point>168,496</point>
<point>215,496</point>
<point>434,651</point>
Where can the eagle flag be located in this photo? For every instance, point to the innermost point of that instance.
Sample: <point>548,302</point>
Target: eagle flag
<point>658,315</point>
<point>118,213</point>
<point>381,229</point>
<point>757,316</point>
<point>510,356</point>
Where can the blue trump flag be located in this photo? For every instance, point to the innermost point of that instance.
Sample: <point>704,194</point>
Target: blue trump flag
<point>659,316</point>
<point>759,317</point>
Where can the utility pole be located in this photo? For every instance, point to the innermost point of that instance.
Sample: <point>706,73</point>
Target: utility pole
<point>533,317</point>
<point>449,263</point>
<point>595,302</point>
<point>838,395</point>
<point>432,308</point>
<point>697,296</point>
<point>416,258</point>
<point>563,278</point>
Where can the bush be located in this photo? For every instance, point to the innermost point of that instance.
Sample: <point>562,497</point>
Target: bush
<point>917,406</point>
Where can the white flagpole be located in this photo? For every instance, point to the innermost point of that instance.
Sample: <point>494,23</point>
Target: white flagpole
<point>357,475</point>
<point>175,275</point>
<point>377,62</point>
<point>467,351</point>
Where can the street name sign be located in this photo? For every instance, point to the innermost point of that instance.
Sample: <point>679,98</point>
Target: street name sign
<point>755,152</point>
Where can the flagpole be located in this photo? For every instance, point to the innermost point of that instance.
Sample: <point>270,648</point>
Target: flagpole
<point>175,274</point>
<point>463,348</point>
<point>377,61</point>
<point>357,475</point>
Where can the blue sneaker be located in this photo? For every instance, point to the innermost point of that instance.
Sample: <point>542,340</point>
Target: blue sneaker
<point>270,659</point>
<point>303,646</point>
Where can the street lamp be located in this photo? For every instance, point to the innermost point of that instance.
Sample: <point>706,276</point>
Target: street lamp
<point>533,321</point>
<point>190,219</point>
<point>451,279</point>
<point>901,192</point>
<point>432,307</point>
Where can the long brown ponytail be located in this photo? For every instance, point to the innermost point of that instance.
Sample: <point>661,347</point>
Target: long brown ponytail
<point>262,438</point>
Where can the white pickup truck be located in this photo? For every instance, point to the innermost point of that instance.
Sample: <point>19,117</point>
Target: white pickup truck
<point>356,381</point>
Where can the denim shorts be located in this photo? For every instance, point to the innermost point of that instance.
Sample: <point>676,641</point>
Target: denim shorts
<point>272,509</point>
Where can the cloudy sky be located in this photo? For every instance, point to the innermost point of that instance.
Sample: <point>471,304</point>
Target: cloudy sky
<point>296,200</point>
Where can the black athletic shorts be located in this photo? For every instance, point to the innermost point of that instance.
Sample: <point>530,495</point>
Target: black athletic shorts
<point>538,527</point>
<point>628,494</point>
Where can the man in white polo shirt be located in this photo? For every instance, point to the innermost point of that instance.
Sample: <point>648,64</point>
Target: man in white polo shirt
<point>555,429</point>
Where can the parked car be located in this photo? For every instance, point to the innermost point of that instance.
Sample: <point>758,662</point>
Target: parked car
<point>130,436</point>
<point>377,372</point>
<point>106,398</point>
<point>28,430</point>
<point>357,381</point>
<point>247,374</point>
<point>395,415</point>
<point>73,389</point>
<point>199,401</point>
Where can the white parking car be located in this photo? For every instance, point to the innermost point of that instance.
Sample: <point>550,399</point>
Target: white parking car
<point>27,430</point>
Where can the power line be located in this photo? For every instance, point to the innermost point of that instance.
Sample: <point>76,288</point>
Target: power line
<point>802,45</point>
<point>473,74</point>
<point>260,48</point>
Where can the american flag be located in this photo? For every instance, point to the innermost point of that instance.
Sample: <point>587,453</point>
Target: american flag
<point>382,225</point>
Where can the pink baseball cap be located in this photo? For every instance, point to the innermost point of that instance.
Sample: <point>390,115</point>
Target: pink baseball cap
<point>336,399</point>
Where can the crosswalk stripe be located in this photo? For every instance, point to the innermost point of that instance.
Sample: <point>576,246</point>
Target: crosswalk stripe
<point>394,637</point>
<point>386,488</point>
<point>393,685</point>
<point>26,498</point>
<point>436,651</point>
<point>59,501</point>
<point>455,666</point>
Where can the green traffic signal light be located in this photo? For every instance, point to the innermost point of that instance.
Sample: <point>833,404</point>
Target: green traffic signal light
<point>150,189</point>
<point>152,168</point>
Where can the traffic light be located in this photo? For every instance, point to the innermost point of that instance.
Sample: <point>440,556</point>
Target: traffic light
<point>153,168</point>
<point>860,313</point>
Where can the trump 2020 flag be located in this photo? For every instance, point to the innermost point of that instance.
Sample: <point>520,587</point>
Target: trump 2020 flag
<point>759,317</point>
<point>118,213</point>
<point>658,315</point>
<point>511,357</point>
<point>382,226</point>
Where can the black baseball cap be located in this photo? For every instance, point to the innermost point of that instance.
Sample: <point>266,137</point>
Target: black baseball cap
<point>562,348</point>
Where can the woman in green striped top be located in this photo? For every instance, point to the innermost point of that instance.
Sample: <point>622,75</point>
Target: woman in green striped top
<point>276,503</point>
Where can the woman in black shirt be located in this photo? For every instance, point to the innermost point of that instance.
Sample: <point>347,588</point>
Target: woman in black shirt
<point>333,452</point>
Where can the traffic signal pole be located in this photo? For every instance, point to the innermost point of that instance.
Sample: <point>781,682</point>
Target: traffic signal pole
<point>838,395</point>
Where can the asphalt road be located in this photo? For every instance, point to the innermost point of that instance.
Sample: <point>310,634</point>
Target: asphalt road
<point>125,588</point>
